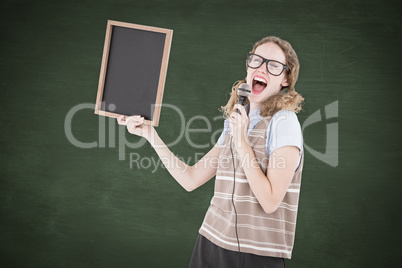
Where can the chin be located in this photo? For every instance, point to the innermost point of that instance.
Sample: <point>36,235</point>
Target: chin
<point>258,98</point>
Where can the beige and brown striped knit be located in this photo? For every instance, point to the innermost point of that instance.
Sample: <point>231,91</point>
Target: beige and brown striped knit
<point>258,232</point>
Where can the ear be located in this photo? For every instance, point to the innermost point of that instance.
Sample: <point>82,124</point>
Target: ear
<point>285,83</point>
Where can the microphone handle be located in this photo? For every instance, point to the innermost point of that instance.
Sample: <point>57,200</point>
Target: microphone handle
<point>241,101</point>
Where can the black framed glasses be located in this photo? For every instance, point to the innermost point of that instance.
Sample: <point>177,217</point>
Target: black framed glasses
<point>274,67</point>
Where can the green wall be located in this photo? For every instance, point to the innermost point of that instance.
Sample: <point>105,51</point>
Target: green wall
<point>65,206</point>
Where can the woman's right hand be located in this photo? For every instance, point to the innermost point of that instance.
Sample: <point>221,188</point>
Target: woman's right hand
<point>135,125</point>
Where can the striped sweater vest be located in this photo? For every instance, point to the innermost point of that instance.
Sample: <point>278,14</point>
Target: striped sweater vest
<point>258,232</point>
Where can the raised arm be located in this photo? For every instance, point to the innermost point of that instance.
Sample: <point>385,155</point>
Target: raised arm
<point>189,177</point>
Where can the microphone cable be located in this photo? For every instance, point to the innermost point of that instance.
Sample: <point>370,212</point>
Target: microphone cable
<point>243,91</point>
<point>234,183</point>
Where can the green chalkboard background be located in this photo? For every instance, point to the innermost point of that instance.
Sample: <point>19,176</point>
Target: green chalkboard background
<point>62,205</point>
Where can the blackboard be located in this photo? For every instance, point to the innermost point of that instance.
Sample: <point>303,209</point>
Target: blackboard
<point>133,71</point>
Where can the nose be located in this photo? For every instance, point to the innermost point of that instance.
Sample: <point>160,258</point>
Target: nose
<point>263,68</point>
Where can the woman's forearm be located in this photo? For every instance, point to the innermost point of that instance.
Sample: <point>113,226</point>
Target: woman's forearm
<point>259,183</point>
<point>270,189</point>
<point>179,170</point>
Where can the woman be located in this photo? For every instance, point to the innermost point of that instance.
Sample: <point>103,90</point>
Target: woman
<point>251,221</point>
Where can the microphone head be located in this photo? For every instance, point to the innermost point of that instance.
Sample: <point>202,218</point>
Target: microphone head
<point>244,90</point>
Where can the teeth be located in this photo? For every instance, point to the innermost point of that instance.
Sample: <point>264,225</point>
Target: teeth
<point>260,79</point>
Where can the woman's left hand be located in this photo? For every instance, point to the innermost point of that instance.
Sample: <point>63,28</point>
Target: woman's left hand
<point>239,126</point>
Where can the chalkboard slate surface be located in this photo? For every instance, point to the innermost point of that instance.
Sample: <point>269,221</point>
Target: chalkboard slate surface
<point>133,71</point>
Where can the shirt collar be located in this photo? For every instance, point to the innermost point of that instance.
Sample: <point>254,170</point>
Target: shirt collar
<point>254,116</point>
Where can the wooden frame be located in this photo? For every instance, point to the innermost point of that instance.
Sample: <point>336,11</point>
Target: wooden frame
<point>100,107</point>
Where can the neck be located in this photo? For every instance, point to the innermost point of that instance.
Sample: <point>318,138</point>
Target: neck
<point>253,106</point>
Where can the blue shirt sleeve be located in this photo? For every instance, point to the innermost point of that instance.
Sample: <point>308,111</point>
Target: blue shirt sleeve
<point>226,129</point>
<point>284,129</point>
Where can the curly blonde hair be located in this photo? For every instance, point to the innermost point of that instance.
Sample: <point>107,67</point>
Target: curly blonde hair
<point>287,98</point>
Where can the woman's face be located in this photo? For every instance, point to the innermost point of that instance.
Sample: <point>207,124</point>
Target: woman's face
<point>263,84</point>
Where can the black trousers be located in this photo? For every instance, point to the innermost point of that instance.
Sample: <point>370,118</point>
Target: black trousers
<point>208,255</point>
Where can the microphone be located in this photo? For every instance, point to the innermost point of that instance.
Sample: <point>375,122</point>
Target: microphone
<point>243,91</point>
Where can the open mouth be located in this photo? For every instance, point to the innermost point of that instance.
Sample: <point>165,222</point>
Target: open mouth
<point>259,84</point>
